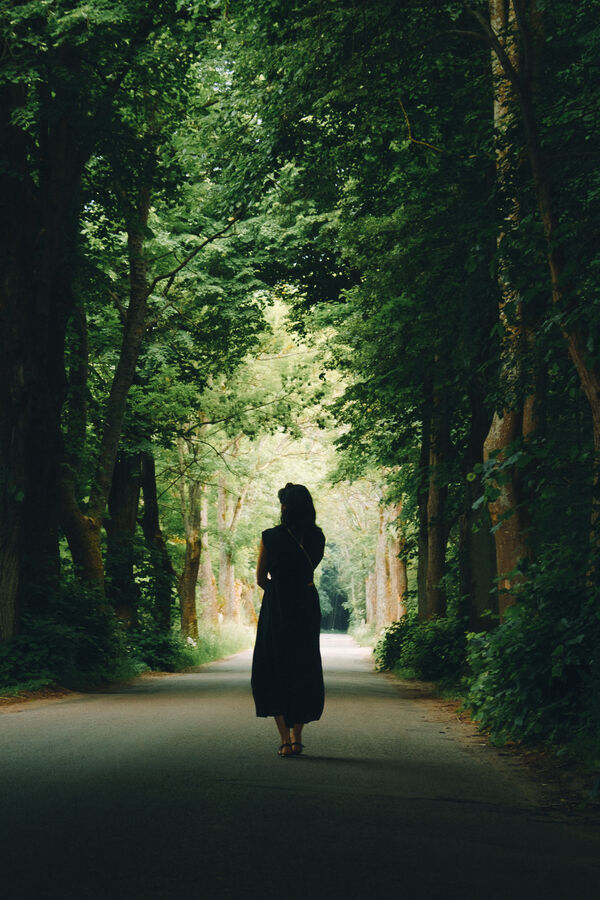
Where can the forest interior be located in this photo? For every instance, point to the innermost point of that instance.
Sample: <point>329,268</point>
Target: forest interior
<point>347,244</point>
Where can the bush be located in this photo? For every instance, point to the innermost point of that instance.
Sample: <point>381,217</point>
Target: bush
<point>537,676</point>
<point>74,644</point>
<point>388,650</point>
<point>433,650</point>
<point>78,644</point>
<point>149,648</point>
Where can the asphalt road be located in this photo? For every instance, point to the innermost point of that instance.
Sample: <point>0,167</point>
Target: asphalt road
<point>171,788</point>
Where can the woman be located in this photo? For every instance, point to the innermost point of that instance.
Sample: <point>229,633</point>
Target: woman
<point>287,677</point>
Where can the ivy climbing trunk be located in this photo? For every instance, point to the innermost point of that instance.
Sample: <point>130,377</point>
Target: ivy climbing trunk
<point>515,33</point>
<point>522,25</point>
<point>531,35</point>
<point>382,573</point>
<point>371,598</point>
<point>387,584</point>
<point>226,583</point>
<point>188,580</point>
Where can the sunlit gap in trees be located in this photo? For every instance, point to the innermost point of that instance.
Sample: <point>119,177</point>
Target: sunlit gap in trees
<point>264,424</point>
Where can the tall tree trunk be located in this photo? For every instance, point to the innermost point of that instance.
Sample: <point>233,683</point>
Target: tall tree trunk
<point>371,599</point>
<point>162,567</point>
<point>120,527</point>
<point>382,576</point>
<point>39,219</point>
<point>527,28</point>
<point>397,568</point>
<point>437,528</point>
<point>526,24</point>
<point>423,536</point>
<point>227,582</point>
<point>207,581</point>
<point>477,552</point>
<point>529,25</point>
<point>189,492</point>
<point>226,573</point>
<point>247,593</point>
<point>507,510</point>
<point>82,528</point>
<point>228,513</point>
<point>402,580</point>
<point>187,585</point>
<point>18,212</point>
<point>39,224</point>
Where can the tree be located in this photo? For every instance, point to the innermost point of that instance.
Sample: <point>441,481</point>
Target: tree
<point>67,71</point>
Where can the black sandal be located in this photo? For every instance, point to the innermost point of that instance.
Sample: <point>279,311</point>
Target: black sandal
<point>297,744</point>
<point>282,747</point>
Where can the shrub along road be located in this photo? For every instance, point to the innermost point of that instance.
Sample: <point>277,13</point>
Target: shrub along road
<point>170,787</point>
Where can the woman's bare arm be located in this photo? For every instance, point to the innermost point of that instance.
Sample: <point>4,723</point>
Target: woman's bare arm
<point>262,567</point>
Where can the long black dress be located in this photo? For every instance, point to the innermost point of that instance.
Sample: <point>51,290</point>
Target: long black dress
<point>287,676</point>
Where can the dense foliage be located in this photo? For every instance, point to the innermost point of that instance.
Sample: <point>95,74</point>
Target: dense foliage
<point>454,157</point>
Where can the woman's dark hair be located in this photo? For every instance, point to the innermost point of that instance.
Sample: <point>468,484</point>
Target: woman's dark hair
<point>298,511</point>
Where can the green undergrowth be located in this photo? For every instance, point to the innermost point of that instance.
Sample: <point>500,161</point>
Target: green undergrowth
<point>536,680</point>
<point>73,643</point>
<point>149,650</point>
<point>77,644</point>
<point>431,651</point>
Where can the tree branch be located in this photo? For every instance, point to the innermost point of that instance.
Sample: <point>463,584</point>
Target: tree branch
<point>409,129</point>
<point>121,309</point>
<point>170,276</point>
<point>235,415</point>
<point>425,143</point>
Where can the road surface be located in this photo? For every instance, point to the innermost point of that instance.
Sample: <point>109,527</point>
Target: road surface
<point>171,788</point>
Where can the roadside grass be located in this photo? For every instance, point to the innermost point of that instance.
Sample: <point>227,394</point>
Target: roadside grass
<point>216,641</point>
<point>364,635</point>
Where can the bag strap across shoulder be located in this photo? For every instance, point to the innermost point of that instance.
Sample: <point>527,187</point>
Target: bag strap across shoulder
<point>302,547</point>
